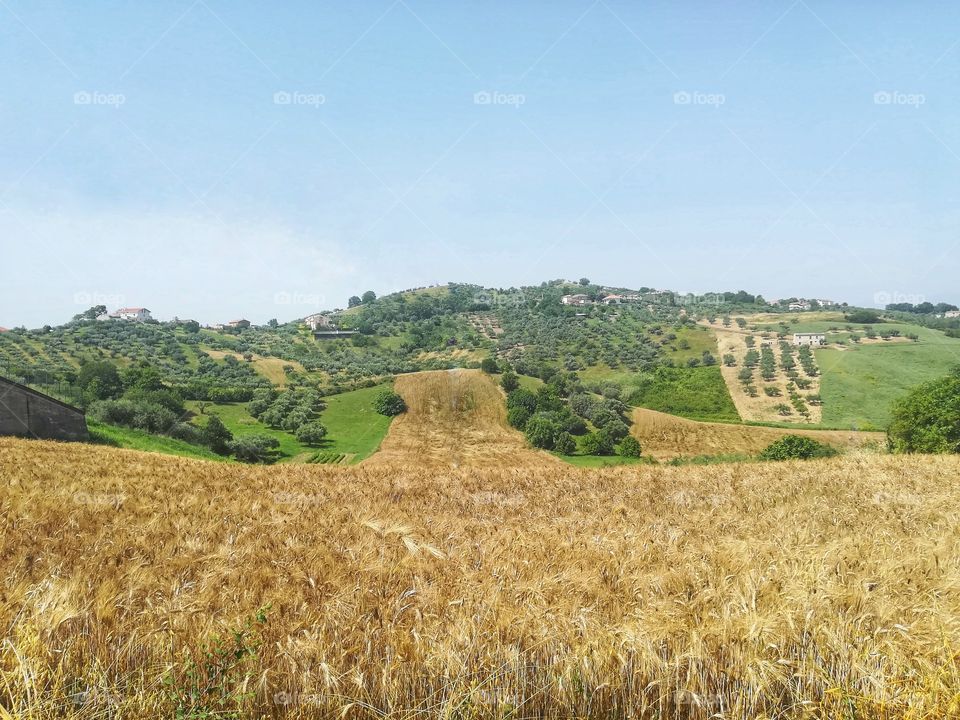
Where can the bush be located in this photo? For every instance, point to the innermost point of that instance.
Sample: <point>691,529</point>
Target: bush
<point>255,448</point>
<point>389,403</point>
<point>518,417</point>
<point>565,444</point>
<point>311,433</point>
<point>542,432</point>
<point>597,444</point>
<point>489,365</point>
<point>522,398</point>
<point>795,447</point>
<point>630,447</point>
<point>928,419</point>
<point>509,381</point>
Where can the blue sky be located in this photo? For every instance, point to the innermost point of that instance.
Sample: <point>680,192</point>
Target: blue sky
<point>213,159</point>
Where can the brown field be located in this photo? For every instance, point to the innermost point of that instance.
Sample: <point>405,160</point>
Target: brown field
<point>665,437</point>
<point>269,367</point>
<point>828,589</point>
<point>454,418</point>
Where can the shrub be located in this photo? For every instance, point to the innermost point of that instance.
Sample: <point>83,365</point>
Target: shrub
<point>389,403</point>
<point>795,447</point>
<point>518,416</point>
<point>542,432</point>
<point>565,444</point>
<point>927,420</point>
<point>522,398</point>
<point>630,447</point>
<point>509,381</point>
<point>489,365</point>
<point>597,444</point>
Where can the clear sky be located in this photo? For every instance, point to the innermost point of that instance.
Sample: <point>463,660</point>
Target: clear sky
<point>213,159</point>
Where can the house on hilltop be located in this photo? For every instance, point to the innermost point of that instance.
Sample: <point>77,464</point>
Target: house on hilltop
<point>318,321</point>
<point>135,314</point>
<point>25,412</point>
<point>578,299</point>
<point>239,324</point>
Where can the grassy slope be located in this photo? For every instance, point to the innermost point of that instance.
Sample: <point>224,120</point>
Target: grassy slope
<point>860,384</point>
<point>139,440</point>
<point>353,427</point>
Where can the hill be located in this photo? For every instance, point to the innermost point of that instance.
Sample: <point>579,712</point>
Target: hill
<point>820,589</point>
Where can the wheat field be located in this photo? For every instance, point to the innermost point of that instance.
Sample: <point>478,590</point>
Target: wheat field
<point>796,590</point>
<point>454,418</point>
<point>665,437</point>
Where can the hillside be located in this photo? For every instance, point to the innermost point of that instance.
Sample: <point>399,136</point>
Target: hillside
<point>454,418</point>
<point>818,589</point>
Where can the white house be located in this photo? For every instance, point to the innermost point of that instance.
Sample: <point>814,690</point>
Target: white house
<point>578,299</point>
<point>809,339</point>
<point>318,321</point>
<point>135,314</point>
<point>802,305</point>
<point>952,314</point>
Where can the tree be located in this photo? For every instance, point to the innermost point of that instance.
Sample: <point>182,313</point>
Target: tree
<point>100,380</point>
<point>216,436</point>
<point>509,381</point>
<point>389,403</point>
<point>368,297</point>
<point>353,301</point>
<point>521,397</point>
<point>565,444</point>
<point>597,444</point>
<point>630,447</point>
<point>272,323</point>
<point>92,313</point>
<point>795,447</point>
<point>191,326</point>
<point>927,420</point>
<point>311,433</point>
<point>255,448</point>
<point>518,416</point>
<point>862,317</point>
<point>541,431</point>
<point>584,281</point>
<point>489,365</point>
<point>729,360</point>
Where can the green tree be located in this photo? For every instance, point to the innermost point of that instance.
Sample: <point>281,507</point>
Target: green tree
<point>100,380</point>
<point>389,403</point>
<point>518,416</point>
<point>597,444</point>
<point>353,301</point>
<point>795,447</point>
<point>565,444</point>
<point>489,365</point>
<point>584,281</point>
<point>255,448</point>
<point>927,420</point>
<point>509,381</point>
<point>542,432</point>
<point>630,447</point>
<point>311,433</point>
<point>368,297</point>
<point>216,436</point>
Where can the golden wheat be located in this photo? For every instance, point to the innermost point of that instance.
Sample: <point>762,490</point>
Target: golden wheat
<point>820,589</point>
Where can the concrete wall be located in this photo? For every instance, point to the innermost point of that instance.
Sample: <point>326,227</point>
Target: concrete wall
<point>27,413</point>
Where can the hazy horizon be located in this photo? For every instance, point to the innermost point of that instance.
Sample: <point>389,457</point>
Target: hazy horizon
<point>204,158</point>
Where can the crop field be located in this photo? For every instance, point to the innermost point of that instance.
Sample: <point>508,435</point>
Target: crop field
<point>454,418</point>
<point>142,586</point>
<point>665,437</point>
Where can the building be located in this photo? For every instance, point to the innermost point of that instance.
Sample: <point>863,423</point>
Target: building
<point>3,329</point>
<point>239,324</point>
<point>578,299</point>
<point>24,412</point>
<point>800,306</point>
<point>318,321</point>
<point>809,339</point>
<point>612,299</point>
<point>135,314</point>
<point>952,314</point>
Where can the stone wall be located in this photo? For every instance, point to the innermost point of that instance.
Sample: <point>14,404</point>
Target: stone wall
<point>28,413</point>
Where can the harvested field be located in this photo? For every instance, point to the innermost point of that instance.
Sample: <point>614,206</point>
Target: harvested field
<point>792,590</point>
<point>665,437</point>
<point>454,418</point>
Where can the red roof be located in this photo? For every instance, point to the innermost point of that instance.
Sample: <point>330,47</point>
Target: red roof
<point>3,329</point>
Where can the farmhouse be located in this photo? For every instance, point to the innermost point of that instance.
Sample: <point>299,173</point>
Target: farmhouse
<point>952,314</point>
<point>808,339</point>
<point>24,412</point>
<point>239,324</point>
<point>135,314</point>
<point>578,299</point>
<point>318,321</point>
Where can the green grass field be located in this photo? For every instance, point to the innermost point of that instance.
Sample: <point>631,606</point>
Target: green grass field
<point>131,439</point>
<point>859,385</point>
<point>353,427</point>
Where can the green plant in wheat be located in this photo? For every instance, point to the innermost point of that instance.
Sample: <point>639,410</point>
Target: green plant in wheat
<point>212,682</point>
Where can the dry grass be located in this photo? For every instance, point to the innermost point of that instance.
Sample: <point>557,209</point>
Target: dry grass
<point>665,437</point>
<point>826,589</point>
<point>454,418</point>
